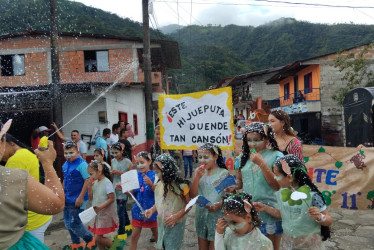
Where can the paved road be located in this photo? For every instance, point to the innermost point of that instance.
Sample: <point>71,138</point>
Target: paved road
<point>351,230</point>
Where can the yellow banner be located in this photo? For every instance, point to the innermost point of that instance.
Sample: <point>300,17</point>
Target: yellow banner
<point>196,118</point>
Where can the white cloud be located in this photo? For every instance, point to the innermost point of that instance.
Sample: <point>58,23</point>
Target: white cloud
<point>248,12</point>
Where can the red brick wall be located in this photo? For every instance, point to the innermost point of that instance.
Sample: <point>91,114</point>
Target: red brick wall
<point>71,62</point>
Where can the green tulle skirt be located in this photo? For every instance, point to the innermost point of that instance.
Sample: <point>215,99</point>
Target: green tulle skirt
<point>28,242</point>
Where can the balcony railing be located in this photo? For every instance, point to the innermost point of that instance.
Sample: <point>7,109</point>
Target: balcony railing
<point>241,98</point>
<point>310,94</point>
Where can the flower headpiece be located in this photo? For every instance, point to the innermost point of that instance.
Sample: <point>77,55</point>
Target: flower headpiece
<point>119,146</point>
<point>247,206</point>
<point>143,154</point>
<point>70,144</point>
<point>255,127</point>
<point>288,162</point>
<point>208,146</point>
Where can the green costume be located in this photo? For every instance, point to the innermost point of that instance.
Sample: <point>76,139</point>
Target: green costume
<point>170,237</point>
<point>253,240</point>
<point>254,183</point>
<point>301,231</point>
<point>205,221</point>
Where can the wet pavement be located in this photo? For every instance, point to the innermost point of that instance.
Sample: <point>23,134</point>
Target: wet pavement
<point>350,230</point>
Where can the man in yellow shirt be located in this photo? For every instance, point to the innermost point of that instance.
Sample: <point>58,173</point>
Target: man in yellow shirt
<point>18,156</point>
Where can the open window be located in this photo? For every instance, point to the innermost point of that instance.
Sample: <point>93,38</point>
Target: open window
<point>12,65</point>
<point>96,61</point>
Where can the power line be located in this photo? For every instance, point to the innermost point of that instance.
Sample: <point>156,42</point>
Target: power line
<point>280,2</point>
<point>174,11</point>
<point>189,13</point>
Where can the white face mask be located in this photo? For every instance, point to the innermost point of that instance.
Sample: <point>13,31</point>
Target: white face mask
<point>114,154</point>
<point>204,158</point>
<point>140,166</point>
<point>238,226</point>
<point>69,155</point>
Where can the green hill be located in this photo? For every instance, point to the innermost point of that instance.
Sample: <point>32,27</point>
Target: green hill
<point>209,53</point>
<point>241,49</point>
<point>21,15</point>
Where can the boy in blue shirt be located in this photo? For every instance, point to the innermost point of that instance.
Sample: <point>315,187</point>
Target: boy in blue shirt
<point>102,143</point>
<point>76,180</point>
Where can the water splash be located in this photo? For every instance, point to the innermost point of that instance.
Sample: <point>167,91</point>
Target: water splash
<point>127,68</point>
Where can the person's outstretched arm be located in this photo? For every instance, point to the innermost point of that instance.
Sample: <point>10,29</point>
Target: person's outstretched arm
<point>59,134</point>
<point>48,198</point>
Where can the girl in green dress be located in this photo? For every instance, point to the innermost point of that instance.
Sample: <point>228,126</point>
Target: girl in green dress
<point>212,169</point>
<point>238,229</point>
<point>256,177</point>
<point>171,197</point>
<point>304,219</point>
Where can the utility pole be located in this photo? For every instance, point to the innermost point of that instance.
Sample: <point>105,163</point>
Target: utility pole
<point>147,75</point>
<point>56,93</point>
<point>55,85</point>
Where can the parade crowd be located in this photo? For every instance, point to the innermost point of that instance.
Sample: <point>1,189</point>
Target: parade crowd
<point>274,204</point>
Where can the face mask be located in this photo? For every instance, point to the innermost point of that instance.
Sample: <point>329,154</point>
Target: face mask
<point>97,158</point>
<point>139,166</point>
<point>68,155</point>
<point>202,158</point>
<point>93,175</point>
<point>114,154</point>
<point>159,174</point>
<point>278,178</point>
<point>254,143</point>
<point>238,226</point>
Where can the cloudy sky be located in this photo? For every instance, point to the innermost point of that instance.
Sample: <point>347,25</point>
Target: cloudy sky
<point>241,12</point>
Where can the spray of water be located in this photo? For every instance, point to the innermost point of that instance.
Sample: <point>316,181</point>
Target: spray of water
<point>127,68</point>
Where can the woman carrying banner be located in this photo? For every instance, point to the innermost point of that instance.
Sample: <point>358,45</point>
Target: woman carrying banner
<point>212,169</point>
<point>256,176</point>
<point>285,136</point>
<point>155,149</point>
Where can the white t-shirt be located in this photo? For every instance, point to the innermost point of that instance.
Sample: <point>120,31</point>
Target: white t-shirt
<point>112,139</point>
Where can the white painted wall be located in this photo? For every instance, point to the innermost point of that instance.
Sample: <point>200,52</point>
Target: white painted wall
<point>131,101</point>
<point>125,99</point>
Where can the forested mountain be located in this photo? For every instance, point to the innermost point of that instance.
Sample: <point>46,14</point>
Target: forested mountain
<point>209,53</point>
<point>214,52</point>
<point>21,15</point>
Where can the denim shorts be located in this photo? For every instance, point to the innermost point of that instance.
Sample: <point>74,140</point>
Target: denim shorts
<point>271,228</point>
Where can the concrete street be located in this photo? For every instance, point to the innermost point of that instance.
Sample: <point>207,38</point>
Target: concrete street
<point>351,230</point>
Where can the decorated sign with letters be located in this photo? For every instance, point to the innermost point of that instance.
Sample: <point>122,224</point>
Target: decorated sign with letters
<point>194,119</point>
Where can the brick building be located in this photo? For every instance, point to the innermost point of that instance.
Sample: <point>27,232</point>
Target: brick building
<point>88,63</point>
<point>306,88</point>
